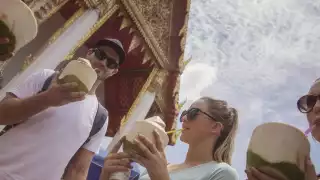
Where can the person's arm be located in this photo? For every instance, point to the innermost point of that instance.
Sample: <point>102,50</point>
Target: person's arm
<point>23,101</point>
<point>78,167</point>
<point>14,110</point>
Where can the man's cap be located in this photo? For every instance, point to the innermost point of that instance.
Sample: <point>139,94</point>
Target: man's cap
<point>114,44</point>
<point>21,21</point>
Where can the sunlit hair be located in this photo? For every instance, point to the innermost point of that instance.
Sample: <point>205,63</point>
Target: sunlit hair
<point>228,116</point>
<point>317,80</point>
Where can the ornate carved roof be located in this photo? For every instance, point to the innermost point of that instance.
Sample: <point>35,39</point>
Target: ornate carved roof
<point>158,20</point>
<point>157,15</point>
<point>158,29</point>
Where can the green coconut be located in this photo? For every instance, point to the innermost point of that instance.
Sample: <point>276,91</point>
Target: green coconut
<point>130,147</point>
<point>7,33</point>
<point>290,171</point>
<point>72,78</point>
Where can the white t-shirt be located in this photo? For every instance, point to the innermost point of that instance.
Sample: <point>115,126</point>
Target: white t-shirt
<point>42,146</point>
<point>207,171</point>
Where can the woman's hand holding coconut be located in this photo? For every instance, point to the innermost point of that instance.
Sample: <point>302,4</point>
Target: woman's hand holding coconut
<point>310,171</point>
<point>255,174</point>
<point>152,157</point>
<point>64,93</point>
<point>115,162</point>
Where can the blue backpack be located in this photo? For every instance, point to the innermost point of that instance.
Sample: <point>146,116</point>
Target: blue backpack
<point>99,120</point>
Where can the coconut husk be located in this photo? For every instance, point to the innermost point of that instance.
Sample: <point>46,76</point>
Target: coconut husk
<point>279,150</point>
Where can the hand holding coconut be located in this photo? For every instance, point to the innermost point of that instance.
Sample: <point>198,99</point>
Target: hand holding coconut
<point>310,170</point>
<point>279,151</point>
<point>152,156</point>
<point>77,79</point>
<point>60,94</point>
<point>145,142</point>
<point>254,174</point>
<point>115,162</point>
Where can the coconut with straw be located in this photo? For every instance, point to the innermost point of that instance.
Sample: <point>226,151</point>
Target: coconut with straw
<point>146,128</point>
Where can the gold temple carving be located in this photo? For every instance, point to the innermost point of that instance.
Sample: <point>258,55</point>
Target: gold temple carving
<point>157,15</point>
<point>103,6</point>
<point>44,9</point>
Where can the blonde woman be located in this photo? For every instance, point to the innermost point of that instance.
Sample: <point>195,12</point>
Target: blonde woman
<point>209,129</point>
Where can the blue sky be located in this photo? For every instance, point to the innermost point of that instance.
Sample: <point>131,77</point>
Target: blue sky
<point>259,55</point>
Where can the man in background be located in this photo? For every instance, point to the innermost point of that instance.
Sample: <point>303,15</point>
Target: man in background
<point>54,125</point>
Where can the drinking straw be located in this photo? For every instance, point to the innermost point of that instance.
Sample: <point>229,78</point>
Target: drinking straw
<point>174,131</point>
<point>308,131</point>
<point>177,132</point>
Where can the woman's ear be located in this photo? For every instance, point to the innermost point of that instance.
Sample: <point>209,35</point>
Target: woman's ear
<point>217,128</point>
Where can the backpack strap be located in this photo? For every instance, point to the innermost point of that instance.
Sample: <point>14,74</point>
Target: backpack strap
<point>99,121</point>
<point>46,83</point>
<point>45,86</point>
<point>7,128</point>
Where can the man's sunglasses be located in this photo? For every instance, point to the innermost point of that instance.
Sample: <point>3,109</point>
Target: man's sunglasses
<point>306,103</point>
<point>192,114</point>
<point>111,63</point>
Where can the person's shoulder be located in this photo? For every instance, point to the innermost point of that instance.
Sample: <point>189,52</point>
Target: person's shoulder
<point>224,171</point>
<point>226,168</point>
<point>43,73</point>
<point>47,72</point>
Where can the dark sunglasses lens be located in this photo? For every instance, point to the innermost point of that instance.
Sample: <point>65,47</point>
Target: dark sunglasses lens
<point>306,103</point>
<point>183,114</point>
<point>192,113</point>
<point>112,64</point>
<point>100,55</point>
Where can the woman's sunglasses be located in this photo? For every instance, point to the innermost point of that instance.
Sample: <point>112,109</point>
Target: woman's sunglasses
<point>111,63</point>
<point>306,103</point>
<point>192,114</point>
